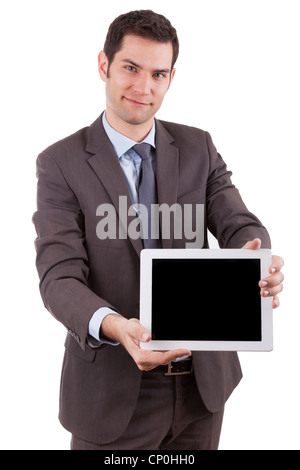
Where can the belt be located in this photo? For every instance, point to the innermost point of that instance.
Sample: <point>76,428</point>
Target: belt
<point>176,368</point>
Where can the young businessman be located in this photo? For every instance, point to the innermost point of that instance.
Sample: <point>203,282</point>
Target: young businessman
<point>113,394</point>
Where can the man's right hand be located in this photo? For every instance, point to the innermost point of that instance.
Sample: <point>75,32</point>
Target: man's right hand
<point>129,333</point>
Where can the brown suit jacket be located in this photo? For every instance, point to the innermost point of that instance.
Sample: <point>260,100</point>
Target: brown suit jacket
<point>80,273</point>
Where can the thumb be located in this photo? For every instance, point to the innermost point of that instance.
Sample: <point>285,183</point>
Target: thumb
<point>253,244</point>
<point>142,334</point>
<point>145,336</point>
<point>137,331</point>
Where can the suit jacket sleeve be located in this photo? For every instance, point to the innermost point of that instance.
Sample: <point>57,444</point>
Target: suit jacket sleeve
<point>228,218</point>
<point>62,260</point>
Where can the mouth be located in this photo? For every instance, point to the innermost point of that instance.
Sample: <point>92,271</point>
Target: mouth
<point>136,103</point>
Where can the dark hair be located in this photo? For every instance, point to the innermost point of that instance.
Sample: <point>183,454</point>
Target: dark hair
<point>143,23</point>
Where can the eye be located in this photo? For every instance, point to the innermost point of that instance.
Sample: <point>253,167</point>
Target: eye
<point>130,68</point>
<point>159,75</point>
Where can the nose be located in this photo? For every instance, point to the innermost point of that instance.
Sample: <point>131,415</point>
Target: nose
<point>142,84</point>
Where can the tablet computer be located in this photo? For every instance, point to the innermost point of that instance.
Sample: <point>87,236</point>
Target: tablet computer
<point>206,299</point>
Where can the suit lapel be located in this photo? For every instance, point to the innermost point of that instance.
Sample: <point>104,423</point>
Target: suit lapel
<point>104,162</point>
<point>167,172</point>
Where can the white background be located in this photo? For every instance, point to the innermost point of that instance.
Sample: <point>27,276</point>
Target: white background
<point>237,77</point>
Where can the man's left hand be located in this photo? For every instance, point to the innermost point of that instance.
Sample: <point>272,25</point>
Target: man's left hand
<point>272,285</point>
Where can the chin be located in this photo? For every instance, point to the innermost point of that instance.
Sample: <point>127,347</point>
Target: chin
<point>136,121</point>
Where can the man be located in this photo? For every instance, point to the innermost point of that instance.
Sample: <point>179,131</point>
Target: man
<point>113,394</point>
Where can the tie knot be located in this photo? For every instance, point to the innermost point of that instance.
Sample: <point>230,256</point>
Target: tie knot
<point>143,150</point>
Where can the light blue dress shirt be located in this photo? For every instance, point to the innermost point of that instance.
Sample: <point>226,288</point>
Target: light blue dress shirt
<point>130,163</point>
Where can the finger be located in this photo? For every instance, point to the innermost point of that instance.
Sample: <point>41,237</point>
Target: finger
<point>156,358</point>
<point>148,360</point>
<point>271,292</point>
<point>277,264</point>
<point>272,281</point>
<point>276,302</point>
<point>170,356</point>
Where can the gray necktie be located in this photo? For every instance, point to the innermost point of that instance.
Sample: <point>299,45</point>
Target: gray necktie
<point>147,189</point>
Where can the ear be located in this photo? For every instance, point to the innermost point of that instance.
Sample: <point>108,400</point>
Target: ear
<point>103,65</point>
<point>171,77</point>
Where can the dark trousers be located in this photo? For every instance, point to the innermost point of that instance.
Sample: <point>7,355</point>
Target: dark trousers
<point>169,415</point>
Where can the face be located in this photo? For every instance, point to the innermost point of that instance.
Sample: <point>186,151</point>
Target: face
<point>139,77</point>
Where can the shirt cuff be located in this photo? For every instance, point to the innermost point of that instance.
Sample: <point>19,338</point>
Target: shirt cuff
<point>96,322</point>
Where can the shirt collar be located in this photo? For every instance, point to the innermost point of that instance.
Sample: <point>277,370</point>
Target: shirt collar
<point>120,142</point>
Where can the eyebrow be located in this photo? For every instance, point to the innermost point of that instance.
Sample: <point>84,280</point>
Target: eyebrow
<point>130,61</point>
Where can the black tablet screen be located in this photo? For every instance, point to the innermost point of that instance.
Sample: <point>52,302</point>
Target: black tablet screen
<point>206,299</point>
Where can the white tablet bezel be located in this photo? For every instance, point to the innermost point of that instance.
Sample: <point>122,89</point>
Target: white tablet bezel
<point>147,255</point>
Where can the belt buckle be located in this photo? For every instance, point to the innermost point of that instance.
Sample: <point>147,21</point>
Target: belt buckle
<point>170,373</point>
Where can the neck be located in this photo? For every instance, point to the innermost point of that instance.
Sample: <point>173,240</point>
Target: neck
<point>136,132</point>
